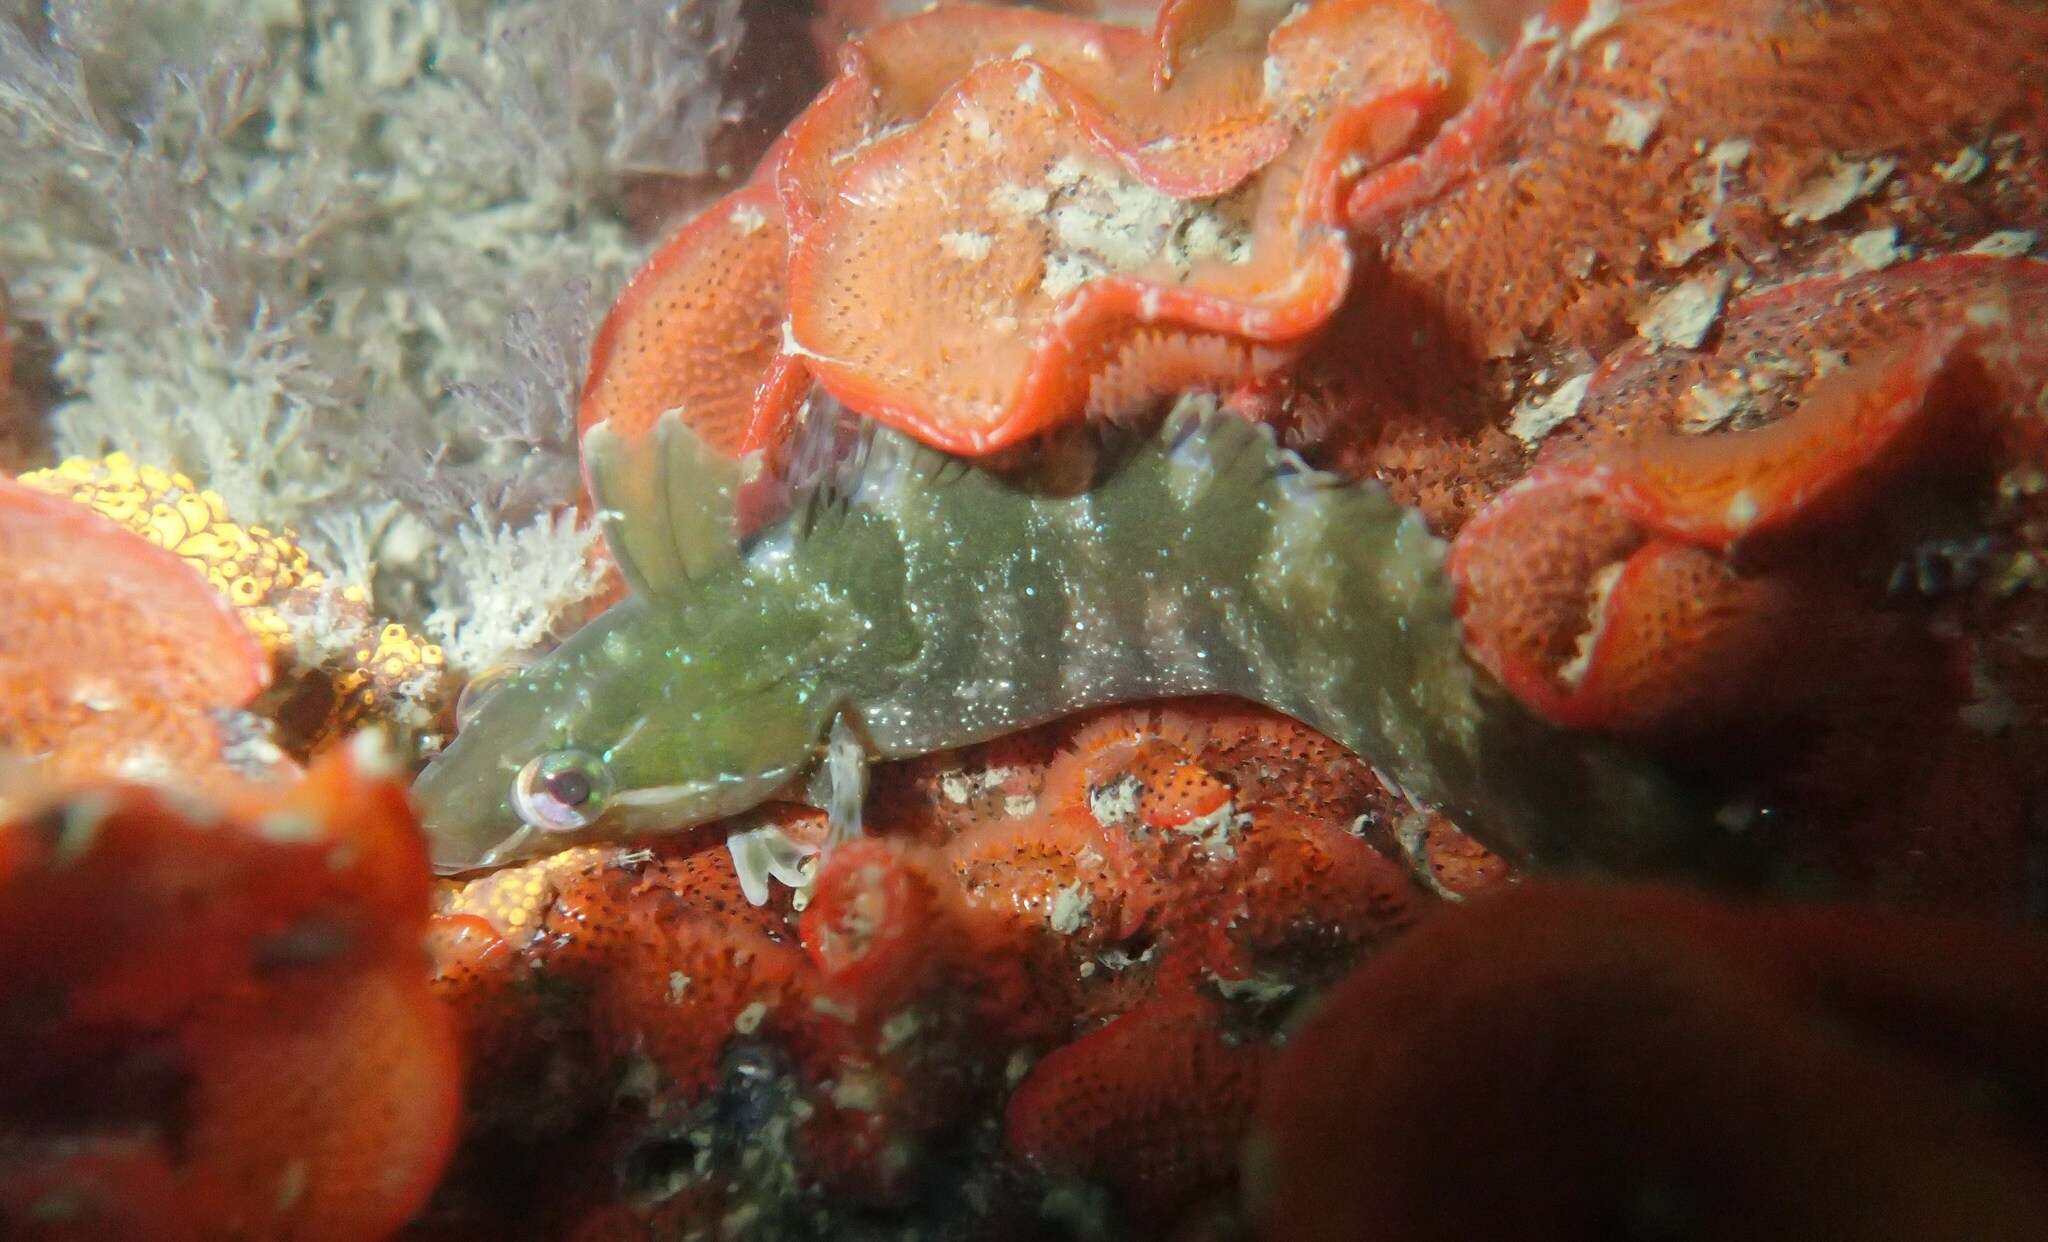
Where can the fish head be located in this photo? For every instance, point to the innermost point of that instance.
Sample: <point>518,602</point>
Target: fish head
<point>635,726</point>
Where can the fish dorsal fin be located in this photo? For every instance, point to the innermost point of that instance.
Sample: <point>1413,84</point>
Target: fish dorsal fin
<point>877,461</point>
<point>668,503</point>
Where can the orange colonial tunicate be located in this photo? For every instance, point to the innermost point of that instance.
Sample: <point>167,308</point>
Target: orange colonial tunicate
<point>1598,593</point>
<point>676,961</point>
<point>1716,490</point>
<point>1010,260</point>
<point>698,329</point>
<point>1597,589</point>
<point>119,654</point>
<point>1013,902</point>
<point>998,220</point>
<point>1782,347</point>
<point>1623,148</point>
<point>1155,1104</point>
<point>234,995</point>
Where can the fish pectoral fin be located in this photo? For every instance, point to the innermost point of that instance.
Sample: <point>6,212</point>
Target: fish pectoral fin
<point>762,855</point>
<point>667,502</point>
<point>845,775</point>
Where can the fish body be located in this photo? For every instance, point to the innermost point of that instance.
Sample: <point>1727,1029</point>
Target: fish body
<point>933,604</point>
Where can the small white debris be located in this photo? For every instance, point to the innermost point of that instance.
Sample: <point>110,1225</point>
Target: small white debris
<point>1537,417</point>
<point>1116,802</point>
<point>1032,88</point>
<point>1573,671</point>
<point>1742,509</point>
<point>678,986</point>
<point>1066,172</point>
<point>1832,190</point>
<point>1104,221</point>
<point>1017,806</point>
<point>1730,153</point>
<point>82,818</point>
<point>838,1011</point>
<point>291,827</point>
<point>144,765</point>
<point>1273,80</point>
<point>960,786</point>
<point>1710,408</point>
<point>1968,165</point>
<point>373,755</point>
<point>97,694</point>
<point>1065,273</point>
<point>1217,832</point>
<point>2005,244</point>
<point>1536,28</point>
<point>1630,127</point>
<point>857,1091</point>
<point>1988,315</point>
<point>1873,250</point>
<point>1258,991</point>
<point>749,220</point>
<point>1017,1066</point>
<point>1681,247</point>
<point>1119,960</point>
<point>1070,908</point>
<point>980,129</point>
<point>1599,19</point>
<point>898,1028</point>
<point>967,247</point>
<point>1681,316</point>
<point>250,752</point>
<point>1020,200</point>
<point>748,1020</point>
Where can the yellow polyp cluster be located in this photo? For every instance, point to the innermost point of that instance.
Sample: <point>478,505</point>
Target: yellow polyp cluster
<point>515,900</point>
<point>381,678</point>
<point>252,566</point>
<point>266,575</point>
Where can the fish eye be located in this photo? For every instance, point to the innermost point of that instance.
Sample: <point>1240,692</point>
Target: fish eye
<point>561,791</point>
<point>479,689</point>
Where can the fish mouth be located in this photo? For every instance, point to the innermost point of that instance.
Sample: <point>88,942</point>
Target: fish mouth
<point>650,810</point>
<point>459,841</point>
<point>653,808</point>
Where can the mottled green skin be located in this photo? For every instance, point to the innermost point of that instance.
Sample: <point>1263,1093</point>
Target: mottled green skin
<point>941,605</point>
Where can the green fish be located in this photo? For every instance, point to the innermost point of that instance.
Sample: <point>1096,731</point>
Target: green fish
<point>921,603</point>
